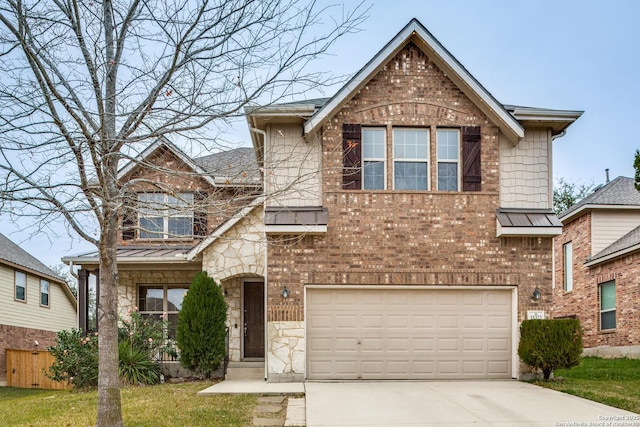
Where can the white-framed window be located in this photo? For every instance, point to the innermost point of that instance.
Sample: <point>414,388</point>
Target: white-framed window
<point>44,293</point>
<point>567,262</point>
<point>607,292</point>
<point>411,159</point>
<point>448,154</point>
<point>164,216</point>
<point>373,158</point>
<point>158,300</point>
<point>20,293</point>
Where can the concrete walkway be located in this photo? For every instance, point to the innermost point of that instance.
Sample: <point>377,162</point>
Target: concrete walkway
<point>459,403</point>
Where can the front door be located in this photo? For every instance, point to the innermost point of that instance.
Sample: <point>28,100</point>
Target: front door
<point>253,319</point>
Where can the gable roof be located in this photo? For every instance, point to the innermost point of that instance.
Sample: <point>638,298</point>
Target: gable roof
<point>236,167</point>
<point>619,193</point>
<point>415,32</point>
<point>14,255</point>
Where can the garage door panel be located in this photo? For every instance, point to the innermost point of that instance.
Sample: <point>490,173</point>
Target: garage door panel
<point>408,333</point>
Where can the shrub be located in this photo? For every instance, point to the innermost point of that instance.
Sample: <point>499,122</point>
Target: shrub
<point>140,347</point>
<point>550,344</point>
<point>76,359</point>
<point>202,326</point>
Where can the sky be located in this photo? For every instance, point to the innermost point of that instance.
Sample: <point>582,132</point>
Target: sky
<point>561,54</point>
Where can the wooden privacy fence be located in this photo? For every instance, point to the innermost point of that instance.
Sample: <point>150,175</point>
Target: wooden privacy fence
<point>26,368</point>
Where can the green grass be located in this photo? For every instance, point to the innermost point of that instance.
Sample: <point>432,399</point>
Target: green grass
<point>614,382</point>
<point>151,406</point>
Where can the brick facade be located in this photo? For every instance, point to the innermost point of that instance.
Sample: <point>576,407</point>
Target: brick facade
<point>13,337</point>
<point>583,301</point>
<point>408,238</point>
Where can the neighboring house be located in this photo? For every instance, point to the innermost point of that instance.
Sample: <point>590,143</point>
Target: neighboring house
<point>35,303</point>
<point>404,229</point>
<point>597,266</point>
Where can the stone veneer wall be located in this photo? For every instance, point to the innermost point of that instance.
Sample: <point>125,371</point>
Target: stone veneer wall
<point>285,351</point>
<point>13,337</point>
<point>131,277</point>
<point>232,288</point>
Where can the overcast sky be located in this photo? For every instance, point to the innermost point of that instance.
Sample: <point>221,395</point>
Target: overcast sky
<point>562,54</point>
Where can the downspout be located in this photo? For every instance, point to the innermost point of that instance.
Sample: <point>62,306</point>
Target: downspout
<point>266,281</point>
<point>553,245</point>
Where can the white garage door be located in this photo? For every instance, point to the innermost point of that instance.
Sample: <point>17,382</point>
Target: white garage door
<point>417,333</point>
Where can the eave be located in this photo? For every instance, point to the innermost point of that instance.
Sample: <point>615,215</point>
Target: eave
<point>418,34</point>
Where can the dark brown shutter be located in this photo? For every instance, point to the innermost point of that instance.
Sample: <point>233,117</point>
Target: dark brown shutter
<point>129,217</point>
<point>471,170</point>
<point>351,157</point>
<point>199,214</point>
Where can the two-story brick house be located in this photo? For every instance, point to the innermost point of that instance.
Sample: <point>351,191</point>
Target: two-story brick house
<point>35,303</point>
<point>404,229</point>
<point>597,267</point>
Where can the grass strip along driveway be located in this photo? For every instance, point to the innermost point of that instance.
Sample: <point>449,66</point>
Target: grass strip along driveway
<point>614,382</point>
<point>150,406</point>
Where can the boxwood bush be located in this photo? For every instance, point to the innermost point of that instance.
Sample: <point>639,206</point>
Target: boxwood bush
<point>550,344</point>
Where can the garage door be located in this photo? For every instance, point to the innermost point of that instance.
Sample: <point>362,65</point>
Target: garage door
<point>416,333</point>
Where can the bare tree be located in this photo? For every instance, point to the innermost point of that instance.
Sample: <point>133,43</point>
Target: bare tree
<point>85,86</point>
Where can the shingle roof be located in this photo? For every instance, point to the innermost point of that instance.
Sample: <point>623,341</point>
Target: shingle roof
<point>619,192</point>
<point>14,254</point>
<point>233,164</point>
<point>625,244</point>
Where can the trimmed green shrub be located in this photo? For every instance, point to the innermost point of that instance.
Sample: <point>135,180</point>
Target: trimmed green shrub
<point>550,344</point>
<point>202,326</point>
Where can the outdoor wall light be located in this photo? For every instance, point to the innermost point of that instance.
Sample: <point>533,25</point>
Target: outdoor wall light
<point>537,294</point>
<point>285,292</point>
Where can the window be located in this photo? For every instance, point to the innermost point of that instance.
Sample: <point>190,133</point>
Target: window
<point>567,250</point>
<point>608,305</point>
<point>44,293</point>
<point>164,216</point>
<point>156,300</point>
<point>373,159</point>
<point>411,159</point>
<point>448,142</point>
<point>21,286</point>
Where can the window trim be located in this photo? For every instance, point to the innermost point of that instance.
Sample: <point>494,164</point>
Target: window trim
<point>567,267</point>
<point>382,160</point>
<point>165,301</point>
<point>15,286</point>
<point>165,215</point>
<point>426,160</point>
<point>457,162</point>
<point>48,293</point>
<point>609,310</point>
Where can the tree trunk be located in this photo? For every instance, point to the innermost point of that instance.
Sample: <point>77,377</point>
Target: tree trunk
<point>109,406</point>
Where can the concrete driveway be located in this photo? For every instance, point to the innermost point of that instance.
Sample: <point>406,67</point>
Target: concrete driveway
<point>455,403</point>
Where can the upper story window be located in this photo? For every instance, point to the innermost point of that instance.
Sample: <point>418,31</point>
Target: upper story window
<point>567,252</point>
<point>456,158</point>
<point>373,158</point>
<point>20,286</point>
<point>164,216</point>
<point>607,305</point>
<point>411,159</point>
<point>448,159</point>
<point>44,293</point>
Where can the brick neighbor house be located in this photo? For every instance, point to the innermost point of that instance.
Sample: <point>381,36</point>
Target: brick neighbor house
<point>35,303</point>
<point>597,263</point>
<point>402,231</point>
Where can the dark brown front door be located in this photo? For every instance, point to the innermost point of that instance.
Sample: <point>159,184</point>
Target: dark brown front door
<point>253,319</point>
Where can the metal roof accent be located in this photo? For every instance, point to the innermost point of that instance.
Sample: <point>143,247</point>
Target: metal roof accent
<point>415,31</point>
<point>527,222</point>
<point>137,255</point>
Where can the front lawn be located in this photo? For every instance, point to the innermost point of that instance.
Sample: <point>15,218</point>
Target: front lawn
<point>614,382</point>
<point>150,406</point>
